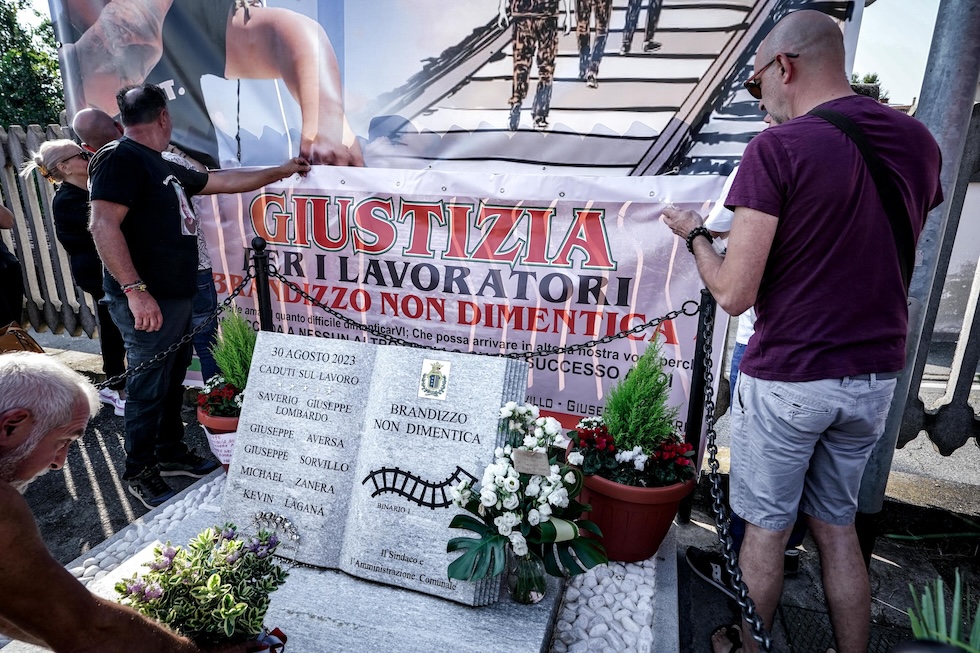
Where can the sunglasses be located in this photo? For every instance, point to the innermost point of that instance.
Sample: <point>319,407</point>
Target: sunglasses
<point>85,155</point>
<point>754,84</point>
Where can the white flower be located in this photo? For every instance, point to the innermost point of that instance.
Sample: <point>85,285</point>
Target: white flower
<point>488,497</point>
<point>533,517</point>
<point>559,497</point>
<point>534,410</point>
<point>576,458</point>
<point>538,433</point>
<point>544,511</point>
<point>460,493</point>
<point>512,484</point>
<point>533,486</point>
<point>511,501</point>
<point>570,477</point>
<point>551,426</point>
<point>530,441</point>
<point>507,409</point>
<point>502,527</point>
<point>640,462</point>
<point>518,543</point>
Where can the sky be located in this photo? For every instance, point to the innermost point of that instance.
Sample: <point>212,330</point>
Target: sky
<point>894,42</point>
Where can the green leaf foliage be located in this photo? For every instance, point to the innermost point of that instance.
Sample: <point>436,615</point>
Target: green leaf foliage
<point>929,621</point>
<point>636,411</point>
<point>215,589</point>
<point>30,81</point>
<point>233,348</point>
<point>483,555</point>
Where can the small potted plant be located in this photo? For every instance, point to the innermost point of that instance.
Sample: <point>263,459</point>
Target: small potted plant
<point>219,404</point>
<point>214,591</point>
<point>525,510</point>
<point>637,467</point>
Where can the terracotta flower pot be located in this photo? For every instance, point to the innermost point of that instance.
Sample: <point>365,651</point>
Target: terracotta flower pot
<point>221,433</point>
<point>634,520</point>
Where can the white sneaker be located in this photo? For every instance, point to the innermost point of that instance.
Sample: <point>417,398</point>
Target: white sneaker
<point>111,397</point>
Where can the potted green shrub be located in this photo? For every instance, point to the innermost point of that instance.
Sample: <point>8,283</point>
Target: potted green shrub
<point>213,591</point>
<point>637,466</point>
<point>219,404</point>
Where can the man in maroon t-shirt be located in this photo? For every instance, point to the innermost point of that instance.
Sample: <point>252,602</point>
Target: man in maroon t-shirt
<point>811,247</point>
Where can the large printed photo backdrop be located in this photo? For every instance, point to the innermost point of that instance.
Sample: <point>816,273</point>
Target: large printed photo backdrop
<point>488,264</point>
<point>607,87</point>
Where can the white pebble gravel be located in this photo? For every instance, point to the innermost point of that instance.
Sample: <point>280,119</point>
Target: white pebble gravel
<point>615,601</point>
<point>153,526</point>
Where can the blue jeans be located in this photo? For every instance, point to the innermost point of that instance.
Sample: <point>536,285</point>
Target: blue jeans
<point>205,305</point>
<point>154,430</point>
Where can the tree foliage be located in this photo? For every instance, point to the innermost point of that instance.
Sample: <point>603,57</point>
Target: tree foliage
<point>30,81</point>
<point>871,78</point>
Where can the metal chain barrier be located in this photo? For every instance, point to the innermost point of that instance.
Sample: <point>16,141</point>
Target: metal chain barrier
<point>722,521</point>
<point>689,308</point>
<point>160,357</point>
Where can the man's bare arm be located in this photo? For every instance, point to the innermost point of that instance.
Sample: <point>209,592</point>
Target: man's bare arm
<point>44,604</point>
<point>733,279</point>
<point>6,218</point>
<point>106,227</point>
<point>242,180</point>
<point>273,43</point>
<point>119,49</point>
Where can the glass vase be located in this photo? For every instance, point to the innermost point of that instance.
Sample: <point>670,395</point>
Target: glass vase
<point>525,578</point>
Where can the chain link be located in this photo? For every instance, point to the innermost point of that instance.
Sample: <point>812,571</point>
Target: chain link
<point>722,521</point>
<point>689,308</point>
<point>160,357</point>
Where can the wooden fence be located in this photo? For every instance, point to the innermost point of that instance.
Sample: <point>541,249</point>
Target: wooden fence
<point>53,300</point>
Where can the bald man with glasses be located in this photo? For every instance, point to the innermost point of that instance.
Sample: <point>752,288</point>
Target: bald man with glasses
<point>814,250</point>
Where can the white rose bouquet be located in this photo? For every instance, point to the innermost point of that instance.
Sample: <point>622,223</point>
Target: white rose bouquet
<point>525,502</point>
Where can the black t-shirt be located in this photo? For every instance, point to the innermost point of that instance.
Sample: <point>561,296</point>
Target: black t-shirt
<point>70,209</point>
<point>193,46</point>
<point>160,228</point>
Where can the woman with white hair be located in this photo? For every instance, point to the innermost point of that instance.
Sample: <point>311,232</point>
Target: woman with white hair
<point>64,163</point>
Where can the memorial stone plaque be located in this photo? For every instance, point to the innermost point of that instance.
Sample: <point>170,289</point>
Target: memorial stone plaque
<point>358,445</point>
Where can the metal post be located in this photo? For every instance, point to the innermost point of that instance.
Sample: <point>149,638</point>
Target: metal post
<point>261,259</point>
<point>948,92</point>
<point>695,406</point>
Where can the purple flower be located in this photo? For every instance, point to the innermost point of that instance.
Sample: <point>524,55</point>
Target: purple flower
<point>136,587</point>
<point>233,557</point>
<point>262,552</point>
<point>228,533</point>
<point>161,564</point>
<point>254,544</point>
<point>273,541</point>
<point>153,591</point>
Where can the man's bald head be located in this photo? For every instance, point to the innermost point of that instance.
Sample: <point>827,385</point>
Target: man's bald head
<point>800,65</point>
<point>811,34</point>
<point>96,128</point>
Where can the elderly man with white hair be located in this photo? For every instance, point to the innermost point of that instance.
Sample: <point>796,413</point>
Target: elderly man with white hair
<point>44,408</point>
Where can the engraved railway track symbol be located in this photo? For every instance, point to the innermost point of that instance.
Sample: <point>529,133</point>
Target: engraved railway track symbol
<point>414,488</point>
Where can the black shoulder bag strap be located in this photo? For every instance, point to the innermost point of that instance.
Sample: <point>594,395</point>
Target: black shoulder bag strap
<point>898,215</point>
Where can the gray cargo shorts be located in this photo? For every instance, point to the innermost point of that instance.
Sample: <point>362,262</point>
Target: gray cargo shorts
<point>803,445</point>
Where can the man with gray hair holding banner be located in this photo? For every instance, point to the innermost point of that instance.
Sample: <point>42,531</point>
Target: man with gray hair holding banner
<point>822,245</point>
<point>44,408</point>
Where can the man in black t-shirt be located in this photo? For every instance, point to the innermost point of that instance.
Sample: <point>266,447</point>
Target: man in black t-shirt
<point>139,208</point>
